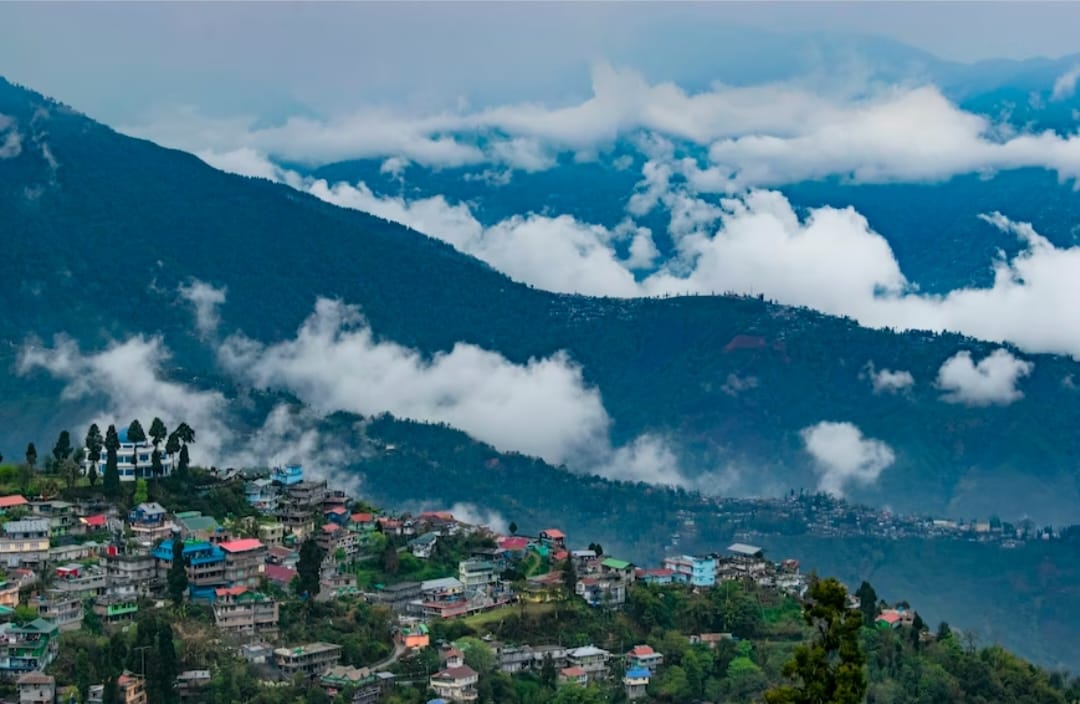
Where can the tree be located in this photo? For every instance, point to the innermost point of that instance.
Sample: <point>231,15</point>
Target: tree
<point>141,494</point>
<point>92,475</point>
<point>70,469</point>
<point>828,670</point>
<point>157,431</point>
<point>94,443</point>
<point>31,456</point>
<point>83,674</point>
<point>943,631</point>
<point>597,548</point>
<point>867,602</point>
<point>167,665</point>
<point>135,435</point>
<point>183,463</point>
<point>155,463</point>
<point>308,568</point>
<point>513,528</point>
<point>569,576</point>
<point>112,471</point>
<point>177,578</point>
<point>184,436</point>
<point>62,449</point>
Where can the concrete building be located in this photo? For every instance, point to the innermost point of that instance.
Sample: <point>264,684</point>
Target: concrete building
<point>117,609</point>
<point>245,561</point>
<point>27,648</point>
<point>695,571</point>
<point>205,564</point>
<point>456,681</point>
<point>477,574</point>
<point>636,683</point>
<point>309,660</point>
<point>133,460</point>
<point>62,609</point>
<point>36,688</point>
<point>24,542</point>
<point>243,610</point>
<point>592,660</point>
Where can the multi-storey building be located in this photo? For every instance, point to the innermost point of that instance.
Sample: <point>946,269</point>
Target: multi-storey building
<point>36,688</point>
<point>695,571</point>
<point>243,610</point>
<point>309,660</point>
<point>332,538</point>
<point>117,609</point>
<point>62,609</point>
<point>477,574</point>
<point>205,564</point>
<point>24,542</point>
<point>138,569</point>
<point>298,507</point>
<point>245,561</point>
<point>133,460</point>
<point>457,681</point>
<point>26,648</point>
<point>592,660</point>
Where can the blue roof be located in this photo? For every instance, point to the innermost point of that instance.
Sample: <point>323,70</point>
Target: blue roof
<point>206,552</point>
<point>637,672</point>
<point>122,434</point>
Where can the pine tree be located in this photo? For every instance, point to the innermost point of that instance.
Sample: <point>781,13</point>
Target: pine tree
<point>829,670</point>
<point>62,449</point>
<point>308,568</point>
<point>157,431</point>
<point>167,666</point>
<point>31,456</point>
<point>183,463</point>
<point>112,470</point>
<point>83,674</point>
<point>177,578</point>
<point>570,579</point>
<point>94,445</point>
<point>867,602</point>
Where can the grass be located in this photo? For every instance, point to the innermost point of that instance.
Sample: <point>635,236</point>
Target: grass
<point>486,617</point>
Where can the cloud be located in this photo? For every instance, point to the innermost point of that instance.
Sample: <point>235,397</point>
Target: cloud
<point>736,384</point>
<point>991,381</point>
<point>206,299</point>
<point>888,380</point>
<point>129,377</point>
<point>478,516</point>
<point>10,138</point>
<point>542,407</point>
<point>842,456</point>
<point>759,135</point>
<point>558,254</point>
<point>1065,85</point>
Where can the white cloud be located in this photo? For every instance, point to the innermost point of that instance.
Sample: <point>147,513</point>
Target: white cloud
<point>542,408</point>
<point>889,380</point>
<point>761,135</point>
<point>478,516</point>
<point>842,456</point>
<point>10,138</point>
<point>206,299</point>
<point>1065,85</point>
<point>992,380</point>
<point>736,384</point>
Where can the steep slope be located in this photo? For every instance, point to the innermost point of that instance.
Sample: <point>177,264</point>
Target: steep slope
<point>101,229</point>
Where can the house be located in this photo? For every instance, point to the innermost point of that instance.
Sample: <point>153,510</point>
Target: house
<point>514,546</point>
<point>398,596</point>
<point>333,538</point>
<point>189,682</point>
<point>441,588</point>
<point>299,505</point>
<point>336,514</point>
<point>26,648</point>
<point>746,552</point>
<point>133,460</point>
<point>695,571</point>
<point>709,639</point>
<point>362,522</point>
<point>457,681</point>
<point>272,533</point>
<point>262,495</point>
<point>24,542</point>
<point>117,609</point>
<point>257,653</point>
<point>621,569</point>
<point>553,538</point>
<point>309,660</point>
<point>644,656</point>
<point>655,576</point>
<point>36,688</point>
<point>195,526</point>
<point>63,609</point>
<point>335,585</point>
<point>895,618</point>
<point>413,637</point>
<point>592,660</point>
<point>287,475</point>
<point>280,555</point>
<point>601,591</point>
<point>243,610</point>
<point>573,675</point>
<point>245,561</point>
<point>280,575</point>
<point>636,682</point>
<point>13,501</point>
<point>477,574</point>
<point>205,565</point>
<point>138,569</point>
<point>95,523</point>
<point>336,678</point>
<point>9,594</point>
<point>423,545</point>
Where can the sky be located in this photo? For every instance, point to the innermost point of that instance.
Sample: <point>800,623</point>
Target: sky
<point>120,62</point>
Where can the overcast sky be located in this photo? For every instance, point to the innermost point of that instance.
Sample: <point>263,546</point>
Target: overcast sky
<point>119,62</point>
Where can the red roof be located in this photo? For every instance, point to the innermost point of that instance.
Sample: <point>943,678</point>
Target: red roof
<point>574,671</point>
<point>336,510</point>
<point>230,591</point>
<point>560,555</point>
<point>640,650</point>
<point>657,572</point>
<point>13,500</point>
<point>513,544</point>
<point>98,521</point>
<point>889,616</point>
<point>441,515</point>
<point>362,518</point>
<point>280,574</point>
<point>331,527</point>
<point>456,673</point>
<point>242,545</point>
<point>554,534</point>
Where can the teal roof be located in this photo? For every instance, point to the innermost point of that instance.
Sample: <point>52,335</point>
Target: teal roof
<point>615,564</point>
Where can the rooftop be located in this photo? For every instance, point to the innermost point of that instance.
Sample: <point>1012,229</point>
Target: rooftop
<point>745,550</point>
<point>242,545</point>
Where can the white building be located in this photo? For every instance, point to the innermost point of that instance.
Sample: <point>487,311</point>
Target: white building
<point>131,456</point>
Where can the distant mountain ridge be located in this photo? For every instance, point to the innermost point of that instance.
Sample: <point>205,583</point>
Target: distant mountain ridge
<point>101,229</point>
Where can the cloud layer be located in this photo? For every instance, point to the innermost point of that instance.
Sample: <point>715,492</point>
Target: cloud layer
<point>991,381</point>
<point>842,456</point>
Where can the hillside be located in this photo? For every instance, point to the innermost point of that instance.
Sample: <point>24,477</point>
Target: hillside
<point>102,229</point>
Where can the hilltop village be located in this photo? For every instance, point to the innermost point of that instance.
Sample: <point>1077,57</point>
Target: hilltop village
<point>155,581</point>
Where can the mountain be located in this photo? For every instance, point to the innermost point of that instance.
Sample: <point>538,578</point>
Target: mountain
<point>102,229</point>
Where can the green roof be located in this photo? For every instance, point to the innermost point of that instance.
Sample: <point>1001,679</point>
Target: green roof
<point>615,564</point>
